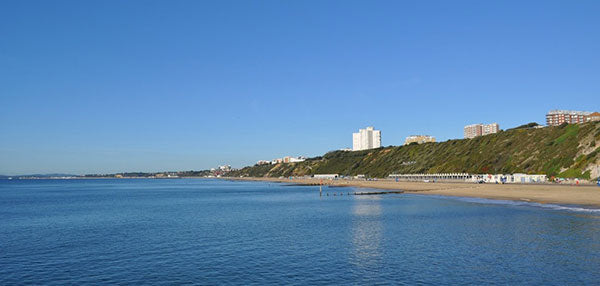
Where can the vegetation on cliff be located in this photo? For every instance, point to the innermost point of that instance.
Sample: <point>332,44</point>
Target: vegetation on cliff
<point>569,150</point>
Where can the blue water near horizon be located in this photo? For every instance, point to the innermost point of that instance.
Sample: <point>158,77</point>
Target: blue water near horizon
<point>209,232</point>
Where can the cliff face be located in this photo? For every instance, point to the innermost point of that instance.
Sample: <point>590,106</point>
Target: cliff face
<point>565,151</point>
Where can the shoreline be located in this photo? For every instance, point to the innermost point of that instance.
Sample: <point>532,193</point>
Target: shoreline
<point>583,195</point>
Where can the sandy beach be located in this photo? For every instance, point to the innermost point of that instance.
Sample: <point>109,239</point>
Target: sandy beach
<point>541,193</point>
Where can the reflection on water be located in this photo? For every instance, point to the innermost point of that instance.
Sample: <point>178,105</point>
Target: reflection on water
<point>189,231</point>
<point>367,231</point>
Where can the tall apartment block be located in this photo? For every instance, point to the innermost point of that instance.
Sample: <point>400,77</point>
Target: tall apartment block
<point>558,117</point>
<point>367,138</point>
<point>474,130</point>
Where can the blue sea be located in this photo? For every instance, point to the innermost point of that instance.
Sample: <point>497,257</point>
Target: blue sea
<point>217,232</point>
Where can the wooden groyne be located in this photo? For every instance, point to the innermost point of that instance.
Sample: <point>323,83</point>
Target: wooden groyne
<point>361,193</point>
<point>356,193</point>
<point>377,193</point>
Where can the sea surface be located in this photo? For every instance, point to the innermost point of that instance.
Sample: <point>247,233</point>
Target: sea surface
<point>216,232</point>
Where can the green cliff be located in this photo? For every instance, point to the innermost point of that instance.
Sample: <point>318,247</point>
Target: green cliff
<point>565,151</point>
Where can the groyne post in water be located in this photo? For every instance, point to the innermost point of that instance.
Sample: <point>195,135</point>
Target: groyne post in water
<point>321,189</point>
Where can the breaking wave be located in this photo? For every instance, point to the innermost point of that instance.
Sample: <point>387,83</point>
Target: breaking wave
<point>570,208</point>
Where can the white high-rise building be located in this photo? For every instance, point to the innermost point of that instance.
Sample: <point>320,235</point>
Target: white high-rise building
<point>367,138</point>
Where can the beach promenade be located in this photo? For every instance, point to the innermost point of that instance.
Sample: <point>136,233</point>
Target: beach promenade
<point>541,193</point>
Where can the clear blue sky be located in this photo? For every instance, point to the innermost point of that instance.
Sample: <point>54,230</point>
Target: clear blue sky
<point>110,86</point>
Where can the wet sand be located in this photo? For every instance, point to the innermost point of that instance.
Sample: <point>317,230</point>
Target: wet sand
<point>541,193</point>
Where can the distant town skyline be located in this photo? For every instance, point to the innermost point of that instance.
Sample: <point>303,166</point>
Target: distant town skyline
<point>106,87</point>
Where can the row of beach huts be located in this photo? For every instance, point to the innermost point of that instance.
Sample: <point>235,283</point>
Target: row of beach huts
<point>453,177</point>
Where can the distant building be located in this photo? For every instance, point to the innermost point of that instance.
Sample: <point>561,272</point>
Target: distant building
<point>287,159</point>
<point>419,139</point>
<point>474,130</point>
<point>296,159</point>
<point>558,117</point>
<point>225,168</point>
<point>365,139</point>
<point>263,162</point>
<point>490,129</point>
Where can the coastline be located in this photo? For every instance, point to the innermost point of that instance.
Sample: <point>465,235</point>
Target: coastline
<point>584,195</point>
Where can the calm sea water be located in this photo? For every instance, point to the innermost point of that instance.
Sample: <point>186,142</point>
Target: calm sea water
<point>192,231</point>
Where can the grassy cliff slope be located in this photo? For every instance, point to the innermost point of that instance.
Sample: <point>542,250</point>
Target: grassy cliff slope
<point>566,151</point>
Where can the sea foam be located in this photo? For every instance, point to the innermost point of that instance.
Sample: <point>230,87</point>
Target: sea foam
<point>570,208</point>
